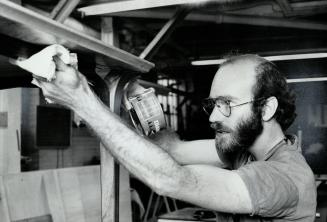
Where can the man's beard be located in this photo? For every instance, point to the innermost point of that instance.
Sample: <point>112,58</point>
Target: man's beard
<point>230,141</point>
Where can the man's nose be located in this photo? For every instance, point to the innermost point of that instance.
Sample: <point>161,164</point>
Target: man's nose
<point>216,115</point>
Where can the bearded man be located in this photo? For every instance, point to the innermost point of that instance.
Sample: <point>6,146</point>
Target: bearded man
<point>251,171</point>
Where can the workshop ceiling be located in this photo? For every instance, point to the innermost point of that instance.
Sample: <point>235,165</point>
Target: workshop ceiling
<point>204,30</point>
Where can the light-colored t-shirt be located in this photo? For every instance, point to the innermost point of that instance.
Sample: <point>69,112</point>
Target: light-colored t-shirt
<point>281,186</point>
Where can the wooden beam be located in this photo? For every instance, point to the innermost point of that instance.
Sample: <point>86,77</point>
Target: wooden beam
<point>107,163</point>
<point>116,198</point>
<point>69,22</point>
<point>285,7</point>
<point>231,19</point>
<point>268,21</point>
<point>298,9</point>
<point>66,10</point>
<point>309,4</point>
<point>164,33</point>
<point>57,8</point>
<point>130,5</point>
<point>33,20</point>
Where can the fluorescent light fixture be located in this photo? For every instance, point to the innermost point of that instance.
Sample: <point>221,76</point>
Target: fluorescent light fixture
<point>208,62</point>
<point>314,79</point>
<point>270,58</point>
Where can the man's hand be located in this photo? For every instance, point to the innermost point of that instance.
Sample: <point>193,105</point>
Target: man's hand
<point>66,75</point>
<point>67,87</point>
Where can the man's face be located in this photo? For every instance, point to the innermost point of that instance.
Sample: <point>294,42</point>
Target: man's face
<point>242,136</point>
<point>234,82</point>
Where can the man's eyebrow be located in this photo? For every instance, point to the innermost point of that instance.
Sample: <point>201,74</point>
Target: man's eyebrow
<point>225,98</point>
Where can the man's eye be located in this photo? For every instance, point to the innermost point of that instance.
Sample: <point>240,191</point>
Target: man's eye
<point>227,102</point>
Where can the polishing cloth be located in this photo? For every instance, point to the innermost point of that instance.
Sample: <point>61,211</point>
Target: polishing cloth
<point>42,65</point>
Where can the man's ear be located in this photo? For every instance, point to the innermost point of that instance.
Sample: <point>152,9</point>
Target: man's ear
<point>269,109</point>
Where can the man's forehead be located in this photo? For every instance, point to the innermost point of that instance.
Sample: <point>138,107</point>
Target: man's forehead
<point>235,79</point>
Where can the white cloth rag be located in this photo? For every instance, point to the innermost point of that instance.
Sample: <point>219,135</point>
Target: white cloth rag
<point>41,64</point>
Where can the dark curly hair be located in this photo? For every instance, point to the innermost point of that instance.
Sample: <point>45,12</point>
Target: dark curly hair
<point>270,82</point>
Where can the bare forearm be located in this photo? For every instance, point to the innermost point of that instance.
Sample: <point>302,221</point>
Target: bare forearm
<point>141,157</point>
<point>188,152</point>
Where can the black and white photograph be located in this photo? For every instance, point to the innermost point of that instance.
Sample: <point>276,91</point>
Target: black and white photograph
<point>163,111</point>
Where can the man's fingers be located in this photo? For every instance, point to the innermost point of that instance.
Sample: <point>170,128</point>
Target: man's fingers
<point>40,83</point>
<point>60,65</point>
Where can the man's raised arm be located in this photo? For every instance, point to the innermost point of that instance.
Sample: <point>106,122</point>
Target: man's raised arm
<point>206,186</point>
<point>188,152</point>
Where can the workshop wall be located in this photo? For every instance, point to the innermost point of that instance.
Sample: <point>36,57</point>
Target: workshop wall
<point>83,149</point>
<point>10,120</point>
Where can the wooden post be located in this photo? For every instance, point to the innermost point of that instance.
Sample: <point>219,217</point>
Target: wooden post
<point>54,198</point>
<point>108,172</point>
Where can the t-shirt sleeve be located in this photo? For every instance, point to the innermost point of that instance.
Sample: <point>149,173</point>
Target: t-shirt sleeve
<point>272,192</point>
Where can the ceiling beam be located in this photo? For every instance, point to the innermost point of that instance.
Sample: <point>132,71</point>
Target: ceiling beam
<point>268,21</point>
<point>33,20</point>
<point>70,22</point>
<point>309,4</point>
<point>57,8</point>
<point>130,5</point>
<point>285,7</point>
<point>66,10</point>
<point>230,19</point>
<point>164,33</point>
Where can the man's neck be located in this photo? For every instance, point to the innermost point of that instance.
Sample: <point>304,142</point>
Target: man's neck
<point>271,135</point>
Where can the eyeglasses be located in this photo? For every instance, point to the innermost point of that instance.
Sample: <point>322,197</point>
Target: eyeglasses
<point>223,105</point>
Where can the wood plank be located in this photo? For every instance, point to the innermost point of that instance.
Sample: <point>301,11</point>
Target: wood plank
<point>54,198</point>
<point>230,19</point>
<point>107,186</point>
<point>107,161</point>
<point>57,8</point>
<point>66,10</point>
<point>4,211</point>
<point>71,195</point>
<point>36,21</point>
<point>89,180</point>
<point>34,195</point>
<point>111,212</point>
<point>285,7</point>
<point>123,6</point>
<point>25,195</point>
<point>125,202</point>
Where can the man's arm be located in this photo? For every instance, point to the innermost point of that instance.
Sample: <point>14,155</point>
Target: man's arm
<point>184,152</point>
<point>206,186</point>
<point>188,152</point>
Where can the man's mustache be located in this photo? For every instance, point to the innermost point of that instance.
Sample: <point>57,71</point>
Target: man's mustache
<point>218,127</point>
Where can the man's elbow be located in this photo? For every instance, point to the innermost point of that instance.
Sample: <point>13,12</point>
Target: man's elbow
<point>174,184</point>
